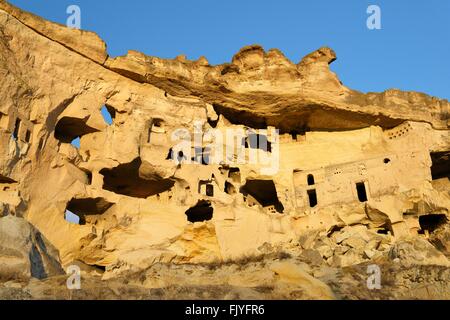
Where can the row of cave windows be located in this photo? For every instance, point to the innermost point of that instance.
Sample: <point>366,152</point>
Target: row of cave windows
<point>310,177</point>
<point>360,190</point>
<point>263,190</point>
<point>77,211</point>
<point>125,179</point>
<point>16,131</point>
<point>209,188</point>
<point>253,140</point>
<point>311,193</point>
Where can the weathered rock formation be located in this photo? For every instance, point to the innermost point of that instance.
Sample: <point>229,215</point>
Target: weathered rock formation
<point>24,252</point>
<point>211,164</point>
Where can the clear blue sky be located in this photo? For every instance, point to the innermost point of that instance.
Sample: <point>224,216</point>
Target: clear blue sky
<point>410,52</point>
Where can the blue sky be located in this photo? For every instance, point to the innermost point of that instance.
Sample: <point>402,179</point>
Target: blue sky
<point>410,52</point>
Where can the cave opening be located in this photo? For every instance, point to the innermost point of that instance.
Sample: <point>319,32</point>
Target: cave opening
<point>440,165</point>
<point>177,157</point>
<point>210,190</point>
<point>88,176</point>
<point>85,207</point>
<point>68,129</point>
<point>213,123</point>
<point>76,142</point>
<point>431,222</point>
<point>361,191</point>
<point>169,154</point>
<point>71,217</point>
<point>310,179</point>
<point>385,229</point>
<point>4,179</point>
<point>206,188</point>
<point>264,192</point>
<point>312,197</point>
<point>27,136</point>
<point>202,211</point>
<point>229,188</point>
<point>257,141</point>
<point>108,113</point>
<point>294,135</point>
<point>15,133</point>
<point>234,174</point>
<point>125,179</point>
<point>155,125</point>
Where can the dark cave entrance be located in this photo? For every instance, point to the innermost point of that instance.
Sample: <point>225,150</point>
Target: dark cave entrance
<point>16,129</point>
<point>210,190</point>
<point>206,187</point>
<point>126,180</point>
<point>87,206</point>
<point>440,167</point>
<point>385,229</point>
<point>431,222</point>
<point>155,125</point>
<point>4,179</point>
<point>177,157</point>
<point>312,197</point>
<point>310,179</point>
<point>264,192</point>
<point>202,211</point>
<point>361,190</point>
<point>257,141</point>
<point>27,136</point>
<point>68,129</point>
<point>109,114</point>
<point>229,188</point>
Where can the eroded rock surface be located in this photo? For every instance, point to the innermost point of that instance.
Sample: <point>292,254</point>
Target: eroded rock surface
<point>209,165</point>
<point>25,253</point>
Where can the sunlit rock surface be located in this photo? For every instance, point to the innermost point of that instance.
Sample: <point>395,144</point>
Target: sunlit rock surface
<point>318,178</point>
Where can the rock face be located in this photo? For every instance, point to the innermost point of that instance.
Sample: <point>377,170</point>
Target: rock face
<point>24,252</point>
<point>210,164</point>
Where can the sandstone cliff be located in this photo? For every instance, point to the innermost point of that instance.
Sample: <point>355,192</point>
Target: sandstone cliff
<point>329,176</point>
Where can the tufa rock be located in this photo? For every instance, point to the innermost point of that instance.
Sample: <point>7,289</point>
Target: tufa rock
<point>24,252</point>
<point>343,169</point>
